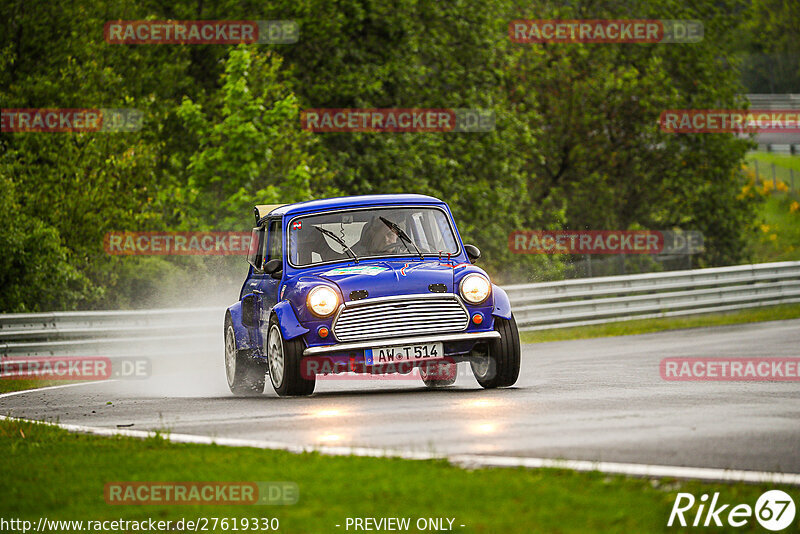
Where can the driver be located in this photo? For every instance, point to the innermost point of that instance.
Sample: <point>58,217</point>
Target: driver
<point>376,238</point>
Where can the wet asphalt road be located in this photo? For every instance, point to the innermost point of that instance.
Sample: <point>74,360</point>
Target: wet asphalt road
<point>596,399</point>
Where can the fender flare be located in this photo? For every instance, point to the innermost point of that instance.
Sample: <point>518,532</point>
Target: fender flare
<point>287,320</point>
<point>241,332</point>
<point>502,305</point>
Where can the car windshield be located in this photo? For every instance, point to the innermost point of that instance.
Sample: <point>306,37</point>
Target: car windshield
<point>369,233</point>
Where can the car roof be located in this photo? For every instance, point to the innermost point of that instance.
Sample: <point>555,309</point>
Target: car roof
<point>311,206</point>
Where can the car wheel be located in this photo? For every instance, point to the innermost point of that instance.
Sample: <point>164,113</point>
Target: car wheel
<point>285,359</point>
<point>500,368</point>
<point>245,372</point>
<point>438,375</point>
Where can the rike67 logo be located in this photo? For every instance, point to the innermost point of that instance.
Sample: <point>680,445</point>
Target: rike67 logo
<point>774,510</point>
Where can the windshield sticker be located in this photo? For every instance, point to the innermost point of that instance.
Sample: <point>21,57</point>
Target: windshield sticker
<point>297,225</point>
<point>370,270</point>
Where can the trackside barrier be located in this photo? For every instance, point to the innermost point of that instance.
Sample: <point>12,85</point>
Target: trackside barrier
<point>109,333</point>
<point>537,306</point>
<point>590,301</point>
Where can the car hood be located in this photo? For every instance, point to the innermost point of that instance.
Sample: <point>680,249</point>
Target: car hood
<point>387,278</point>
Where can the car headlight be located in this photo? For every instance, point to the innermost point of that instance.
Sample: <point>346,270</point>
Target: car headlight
<point>322,301</point>
<point>475,288</point>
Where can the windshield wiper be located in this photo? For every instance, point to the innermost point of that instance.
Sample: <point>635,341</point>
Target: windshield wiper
<point>338,240</point>
<point>403,236</point>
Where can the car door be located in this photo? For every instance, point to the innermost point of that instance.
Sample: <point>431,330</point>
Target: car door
<point>260,285</point>
<point>259,282</point>
<point>268,285</point>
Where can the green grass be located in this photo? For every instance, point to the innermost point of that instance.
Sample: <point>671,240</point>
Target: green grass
<point>782,163</point>
<point>52,473</point>
<point>8,385</point>
<point>787,168</point>
<point>778,238</point>
<point>644,326</point>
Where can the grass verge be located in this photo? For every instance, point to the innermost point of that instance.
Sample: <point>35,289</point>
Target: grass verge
<point>782,162</point>
<point>644,326</point>
<point>52,473</point>
<point>776,179</point>
<point>8,385</point>
<point>779,235</point>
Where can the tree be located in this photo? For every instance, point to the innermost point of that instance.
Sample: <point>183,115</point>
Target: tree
<point>251,149</point>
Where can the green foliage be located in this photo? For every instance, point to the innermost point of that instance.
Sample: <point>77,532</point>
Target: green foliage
<point>251,149</point>
<point>36,270</point>
<point>576,143</point>
<point>769,47</point>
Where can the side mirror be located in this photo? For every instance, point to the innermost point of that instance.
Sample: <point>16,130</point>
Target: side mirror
<point>274,268</point>
<point>250,310</point>
<point>473,252</point>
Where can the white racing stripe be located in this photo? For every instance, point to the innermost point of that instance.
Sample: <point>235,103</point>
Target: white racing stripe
<point>463,460</point>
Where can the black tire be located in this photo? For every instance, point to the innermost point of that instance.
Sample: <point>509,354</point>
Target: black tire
<point>432,370</point>
<point>501,367</point>
<point>287,381</point>
<point>245,372</point>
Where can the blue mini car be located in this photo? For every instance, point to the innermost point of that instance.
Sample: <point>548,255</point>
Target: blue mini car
<point>365,284</point>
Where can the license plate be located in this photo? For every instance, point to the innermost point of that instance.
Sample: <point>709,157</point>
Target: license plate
<point>404,353</point>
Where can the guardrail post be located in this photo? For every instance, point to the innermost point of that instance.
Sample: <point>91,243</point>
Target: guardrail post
<point>774,183</point>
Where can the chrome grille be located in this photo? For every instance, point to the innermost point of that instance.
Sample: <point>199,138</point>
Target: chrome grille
<point>388,317</point>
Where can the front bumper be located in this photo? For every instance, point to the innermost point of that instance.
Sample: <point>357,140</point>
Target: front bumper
<point>413,340</point>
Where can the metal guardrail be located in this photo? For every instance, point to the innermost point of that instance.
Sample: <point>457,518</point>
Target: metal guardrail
<point>118,333</point>
<point>590,301</point>
<point>778,101</point>
<point>536,306</point>
<point>786,142</point>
